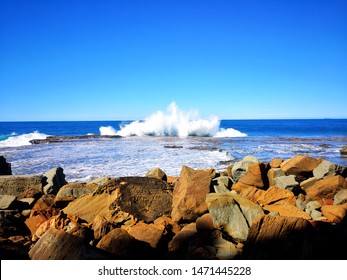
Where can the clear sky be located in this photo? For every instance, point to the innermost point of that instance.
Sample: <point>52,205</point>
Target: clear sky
<point>124,59</point>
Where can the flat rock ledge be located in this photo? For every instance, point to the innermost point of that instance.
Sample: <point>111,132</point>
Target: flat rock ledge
<point>59,139</point>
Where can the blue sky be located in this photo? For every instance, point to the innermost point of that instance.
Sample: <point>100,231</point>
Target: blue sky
<point>115,60</point>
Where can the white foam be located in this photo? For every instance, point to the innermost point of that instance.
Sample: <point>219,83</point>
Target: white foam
<point>107,130</point>
<point>22,140</point>
<point>175,122</point>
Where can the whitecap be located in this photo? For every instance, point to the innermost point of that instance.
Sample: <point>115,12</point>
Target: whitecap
<point>22,140</point>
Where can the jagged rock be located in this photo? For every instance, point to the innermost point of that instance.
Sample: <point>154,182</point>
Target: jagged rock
<point>169,225</point>
<point>34,222</point>
<point>286,209</point>
<point>222,184</point>
<point>6,201</point>
<point>240,168</point>
<point>340,197</point>
<point>286,182</point>
<point>312,208</point>
<point>326,188</point>
<point>17,184</point>
<point>189,194</point>
<point>54,180</point>
<point>144,198</point>
<point>328,169</point>
<point>157,173</point>
<point>5,167</point>
<point>270,196</point>
<point>56,244</point>
<point>70,192</point>
<point>335,213</point>
<point>120,243</point>
<point>279,238</point>
<point>300,165</point>
<point>232,213</point>
<point>101,227</point>
<point>149,233</point>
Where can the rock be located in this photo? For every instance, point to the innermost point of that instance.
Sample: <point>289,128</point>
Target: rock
<point>157,173</point>
<point>326,188</point>
<point>255,176</point>
<point>27,202</point>
<point>300,202</point>
<point>5,167</point>
<point>240,168</point>
<point>276,162</point>
<point>309,182</point>
<point>232,213</point>
<point>335,213</point>
<point>300,165</point>
<point>59,139</point>
<point>340,197</point>
<point>286,209</point>
<point>279,238</point>
<point>6,201</point>
<point>328,169</point>
<point>272,174</point>
<point>189,195</point>
<point>169,225</point>
<point>222,184</point>
<point>54,180</point>
<point>270,196</point>
<point>180,243</point>
<point>312,208</point>
<point>56,244</point>
<point>101,181</point>
<point>17,184</point>
<point>343,150</point>
<point>70,192</point>
<point>101,227</point>
<point>205,223</point>
<point>45,207</point>
<point>286,182</point>
<point>31,193</point>
<point>149,233</point>
<point>144,198</point>
<point>120,243</point>
<point>34,222</point>
<point>225,250</point>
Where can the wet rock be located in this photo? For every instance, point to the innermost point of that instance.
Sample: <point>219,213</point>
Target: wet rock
<point>300,165</point>
<point>70,192</point>
<point>5,167</point>
<point>54,180</point>
<point>17,184</point>
<point>273,238</point>
<point>157,173</point>
<point>232,213</point>
<point>326,188</point>
<point>189,194</point>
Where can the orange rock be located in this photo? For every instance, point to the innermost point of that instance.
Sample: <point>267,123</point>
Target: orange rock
<point>335,213</point>
<point>300,165</point>
<point>205,223</point>
<point>189,194</point>
<point>171,179</point>
<point>34,222</point>
<point>272,195</point>
<point>325,188</point>
<point>276,162</point>
<point>287,210</point>
<point>255,176</point>
<point>149,233</point>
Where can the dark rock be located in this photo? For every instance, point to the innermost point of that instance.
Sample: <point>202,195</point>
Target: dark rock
<point>343,150</point>
<point>59,139</point>
<point>54,180</point>
<point>5,167</point>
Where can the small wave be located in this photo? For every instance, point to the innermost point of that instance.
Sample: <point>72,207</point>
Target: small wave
<point>174,122</point>
<point>22,140</point>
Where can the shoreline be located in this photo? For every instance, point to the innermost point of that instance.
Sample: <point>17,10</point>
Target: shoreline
<point>300,204</point>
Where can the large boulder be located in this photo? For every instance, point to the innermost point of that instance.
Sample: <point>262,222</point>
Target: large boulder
<point>329,169</point>
<point>300,165</point>
<point>17,184</point>
<point>255,176</point>
<point>326,188</point>
<point>232,213</point>
<point>189,194</point>
<point>54,179</point>
<point>335,213</point>
<point>286,182</point>
<point>5,167</point>
<point>279,238</point>
<point>149,233</point>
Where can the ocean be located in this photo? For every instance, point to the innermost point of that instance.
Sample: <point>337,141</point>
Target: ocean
<point>166,140</point>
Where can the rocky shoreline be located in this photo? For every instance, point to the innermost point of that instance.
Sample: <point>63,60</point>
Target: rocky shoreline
<point>59,139</point>
<point>283,209</point>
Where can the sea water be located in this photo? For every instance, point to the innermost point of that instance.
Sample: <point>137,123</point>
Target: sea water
<point>167,140</point>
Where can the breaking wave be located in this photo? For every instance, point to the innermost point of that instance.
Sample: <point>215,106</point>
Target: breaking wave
<point>174,122</point>
<point>15,140</point>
